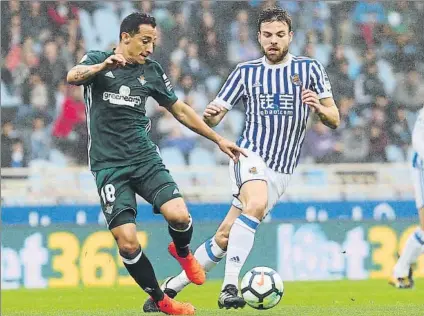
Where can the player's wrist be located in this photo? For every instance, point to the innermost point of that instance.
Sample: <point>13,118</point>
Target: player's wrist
<point>218,139</point>
<point>209,121</point>
<point>319,109</point>
<point>100,67</point>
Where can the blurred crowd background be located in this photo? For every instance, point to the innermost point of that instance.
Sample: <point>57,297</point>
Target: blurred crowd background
<point>372,50</point>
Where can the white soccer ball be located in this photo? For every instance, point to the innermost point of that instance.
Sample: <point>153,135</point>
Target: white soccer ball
<point>262,288</point>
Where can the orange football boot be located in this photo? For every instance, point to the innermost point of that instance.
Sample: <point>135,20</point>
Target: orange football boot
<point>172,307</point>
<point>190,265</point>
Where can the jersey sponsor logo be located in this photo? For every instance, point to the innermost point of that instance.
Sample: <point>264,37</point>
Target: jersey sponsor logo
<point>276,104</point>
<point>123,98</point>
<point>167,82</point>
<point>124,90</point>
<point>110,75</point>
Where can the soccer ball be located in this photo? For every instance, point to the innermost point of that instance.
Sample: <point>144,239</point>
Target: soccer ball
<point>262,288</point>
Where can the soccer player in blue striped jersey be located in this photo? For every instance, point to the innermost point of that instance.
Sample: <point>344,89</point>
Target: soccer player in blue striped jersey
<point>414,247</point>
<point>279,91</point>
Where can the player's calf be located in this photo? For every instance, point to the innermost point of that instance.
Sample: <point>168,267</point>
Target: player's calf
<point>180,224</point>
<point>242,236</point>
<point>181,233</point>
<point>135,261</point>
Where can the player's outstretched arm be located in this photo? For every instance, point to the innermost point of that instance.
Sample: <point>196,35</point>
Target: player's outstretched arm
<point>214,114</point>
<point>188,117</point>
<point>79,74</point>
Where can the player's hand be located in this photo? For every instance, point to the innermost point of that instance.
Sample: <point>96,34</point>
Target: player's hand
<point>231,149</point>
<point>114,61</point>
<point>311,98</point>
<point>212,110</point>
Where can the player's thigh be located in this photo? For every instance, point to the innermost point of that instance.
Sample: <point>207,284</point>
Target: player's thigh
<point>154,183</point>
<point>277,185</point>
<point>254,197</point>
<point>223,231</point>
<point>249,183</point>
<point>117,198</point>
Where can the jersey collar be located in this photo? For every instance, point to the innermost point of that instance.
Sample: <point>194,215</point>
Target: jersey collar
<point>287,62</point>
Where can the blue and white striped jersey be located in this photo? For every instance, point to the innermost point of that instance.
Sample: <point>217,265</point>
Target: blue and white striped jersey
<point>276,118</point>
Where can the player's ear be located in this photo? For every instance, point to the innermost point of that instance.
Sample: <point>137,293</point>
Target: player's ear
<point>125,37</point>
<point>259,37</point>
<point>290,36</point>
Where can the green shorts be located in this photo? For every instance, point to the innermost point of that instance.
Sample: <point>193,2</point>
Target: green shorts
<point>117,188</point>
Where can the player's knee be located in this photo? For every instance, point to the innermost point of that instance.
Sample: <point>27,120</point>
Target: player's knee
<point>127,243</point>
<point>255,208</point>
<point>128,247</point>
<point>180,221</point>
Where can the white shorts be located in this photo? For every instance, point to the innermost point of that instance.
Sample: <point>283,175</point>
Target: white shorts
<point>254,168</point>
<point>418,161</point>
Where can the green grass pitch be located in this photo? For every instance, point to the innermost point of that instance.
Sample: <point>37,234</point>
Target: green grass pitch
<point>371,297</point>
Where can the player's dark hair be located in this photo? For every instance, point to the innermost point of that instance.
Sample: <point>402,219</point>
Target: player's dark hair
<point>132,22</point>
<point>274,14</point>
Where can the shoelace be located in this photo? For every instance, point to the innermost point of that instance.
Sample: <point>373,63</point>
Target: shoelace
<point>229,292</point>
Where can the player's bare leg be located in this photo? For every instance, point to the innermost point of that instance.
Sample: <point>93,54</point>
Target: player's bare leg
<point>402,272</point>
<point>208,254</point>
<point>140,268</point>
<point>181,230</point>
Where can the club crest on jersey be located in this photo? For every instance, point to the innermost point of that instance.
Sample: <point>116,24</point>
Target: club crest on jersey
<point>142,80</point>
<point>296,80</point>
<point>108,208</point>
<point>253,170</point>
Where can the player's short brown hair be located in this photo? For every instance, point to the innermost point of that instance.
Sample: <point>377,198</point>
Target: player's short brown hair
<point>274,14</point>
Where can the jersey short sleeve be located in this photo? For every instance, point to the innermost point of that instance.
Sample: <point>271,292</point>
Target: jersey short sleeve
<point>320,83</point>
<point>93,58</point>
<point>162,91</point>
<point>231,91</point>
